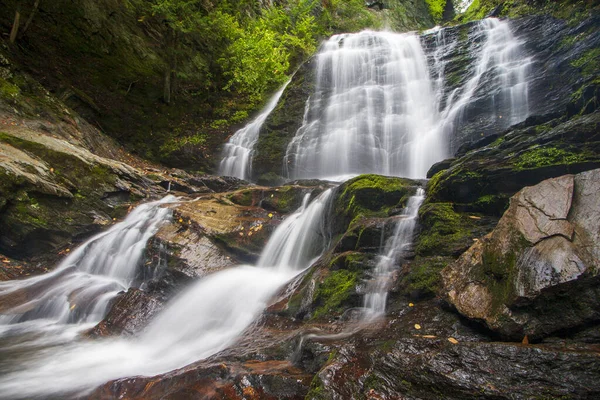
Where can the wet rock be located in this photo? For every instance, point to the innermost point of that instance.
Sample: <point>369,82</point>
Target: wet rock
<point>253,379</point>
<point>130,313</point>
<point>536,273</point>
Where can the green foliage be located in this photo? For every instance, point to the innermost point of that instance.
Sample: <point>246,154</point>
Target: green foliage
<point>541,157</point>
<point>436,8</point>
<point>8,91</point>
<point>178,143</point>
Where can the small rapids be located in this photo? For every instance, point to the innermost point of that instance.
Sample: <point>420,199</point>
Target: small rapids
<point>203,320</point>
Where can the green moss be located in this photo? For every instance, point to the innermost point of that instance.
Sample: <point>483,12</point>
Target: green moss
<point>374,382</point>
<point>317,390</point>
<point>69,170</point>
<point>243,197</point>
<point>444,232</point>
<point>371,196</point>
<point>8,91</point>
<point>333,291</point>
<point>588,63</point>
<point>544,156</point>
<point>424,276</point>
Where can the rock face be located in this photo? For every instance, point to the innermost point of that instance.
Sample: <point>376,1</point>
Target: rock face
<point>537,272</point>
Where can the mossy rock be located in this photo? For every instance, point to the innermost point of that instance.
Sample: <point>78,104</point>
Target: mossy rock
<point>336,292</point>
<point>422,277</point>
<point>487,173</point>
<point>72,198</point>
<point>368,196</point>
<point>445,232</point>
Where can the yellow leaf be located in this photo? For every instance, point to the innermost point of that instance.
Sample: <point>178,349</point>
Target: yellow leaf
<point>73,307</point>
<point>417,326</point>
<point>270,215</point>
<point>67,250</point>
<point>180,220</point>
<point>242,228</point>
<point>452,340</point>
<point>411,305</point>
<point>271,196</point>
<point>428,336</point>
<point>249,233</point>
<point>474,217</point>
<point>241,233</point>
<point>51,169</point>
<point>525,340</point>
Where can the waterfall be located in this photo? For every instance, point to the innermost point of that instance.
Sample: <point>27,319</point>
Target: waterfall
<point>237,153</point>
<point>373,110</point>
<point>376,298</point>
<point>379,105</point>
<point>203,320</point>
<point>80,289</point>
<point>502,70</point>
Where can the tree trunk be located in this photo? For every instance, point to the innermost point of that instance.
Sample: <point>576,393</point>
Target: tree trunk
<point>15,27</point>
<point>31,15</point>
<point>167,86</point>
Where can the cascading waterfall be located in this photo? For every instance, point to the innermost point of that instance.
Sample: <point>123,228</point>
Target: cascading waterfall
<point>378,106</point>
<point>373,110</point>
<point>502,69</point>
<point>237,153</point>
<point>378,287</point>
<point>203,320</point>
<point>79,290</point>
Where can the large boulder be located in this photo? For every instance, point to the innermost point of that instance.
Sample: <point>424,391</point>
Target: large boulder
<point>537,272</point>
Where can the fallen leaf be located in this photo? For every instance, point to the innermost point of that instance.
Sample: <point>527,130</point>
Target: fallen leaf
<point>67,250</point>
<point>241,233</point>
<point>6,261</point>
<point>73,307</point>
<point>180,220</point>
<point>411,305</point>
<point>525,340</point>
<point>51,169</point>
<point>249,233</point>
<point>452,340</point>
<point>429,336</point>
<point>474,217</point>
<point>417,326</point>
<point>270,215</point>
<point>271,196</point>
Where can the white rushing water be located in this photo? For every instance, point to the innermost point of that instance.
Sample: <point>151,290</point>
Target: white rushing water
<point>377,290</point>
<point>501,69</point>
<point>373,110</point>
<point>237,153</point>
<point>79,290</point>
<point>377,105</point>
<point>201,321</point>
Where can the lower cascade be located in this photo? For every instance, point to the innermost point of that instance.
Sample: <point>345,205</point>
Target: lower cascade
<point>378,288</point>
<point>80,289</point>
<point>201,321</point>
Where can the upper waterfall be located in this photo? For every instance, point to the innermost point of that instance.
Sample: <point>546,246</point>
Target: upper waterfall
<point>374,110</point>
